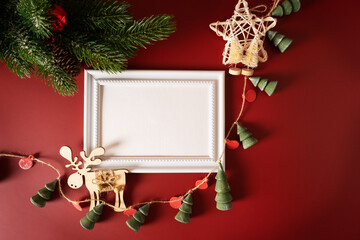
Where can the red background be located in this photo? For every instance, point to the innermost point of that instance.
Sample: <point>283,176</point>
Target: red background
<point>301,181</point>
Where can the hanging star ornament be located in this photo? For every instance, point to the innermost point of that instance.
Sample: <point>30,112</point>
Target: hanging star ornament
<point>244,33</point>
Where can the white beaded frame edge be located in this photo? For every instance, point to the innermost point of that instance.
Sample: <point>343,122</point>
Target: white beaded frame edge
<point>95,78</point>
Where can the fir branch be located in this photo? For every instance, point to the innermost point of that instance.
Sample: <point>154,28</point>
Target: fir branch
<point>95,15</point>
<point>147,30</point>
<point>96,53</point>
<point>17,65</point>
<point>35,16</point>
<point>59,79</point>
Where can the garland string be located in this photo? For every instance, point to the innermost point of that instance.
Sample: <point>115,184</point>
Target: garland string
<point>205,179</point>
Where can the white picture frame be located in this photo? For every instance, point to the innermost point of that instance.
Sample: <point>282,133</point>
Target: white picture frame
<point>155,121</point>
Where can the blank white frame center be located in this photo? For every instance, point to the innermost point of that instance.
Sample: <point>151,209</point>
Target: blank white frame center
<point>155,121</point>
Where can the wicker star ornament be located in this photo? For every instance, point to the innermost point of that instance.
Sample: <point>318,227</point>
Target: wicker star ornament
<point>244,33</point>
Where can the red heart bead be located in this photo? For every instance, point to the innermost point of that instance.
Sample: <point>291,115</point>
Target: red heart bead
<point>77,206</point>
<point>26,163</point>
<point>130,211</point>
<point>175,202</point>
<point>201,184</point>
<point>232,144</point>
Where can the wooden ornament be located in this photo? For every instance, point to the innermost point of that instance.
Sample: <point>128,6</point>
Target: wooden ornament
<point>245,137</point>
<point>185,210</point>
<point>247,72</point>
<point>244,33</point>
<point>235,71</point>
<point>44,194</point>
<point>175,202</point>
<point>96,181</point>
<point>138,218</point>
<point>88,222</point>
<point>77,206</point>
<point>279,40</point>
<point>264,84</point>
<point>223,197</point>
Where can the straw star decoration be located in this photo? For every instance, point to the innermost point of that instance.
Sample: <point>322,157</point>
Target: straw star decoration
<point>244,33</point>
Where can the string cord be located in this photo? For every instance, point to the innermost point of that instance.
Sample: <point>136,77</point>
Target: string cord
<point>205,179</point>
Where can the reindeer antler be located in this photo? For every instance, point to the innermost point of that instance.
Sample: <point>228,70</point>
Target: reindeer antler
<point>66,152</point>
<point>96,152</point>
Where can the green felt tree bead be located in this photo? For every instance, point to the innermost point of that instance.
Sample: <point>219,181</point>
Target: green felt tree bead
<point>271,34</point>
<point>133,224</point>
<point>224,206</point>
<point>277,12</point>
<point>287,7</point>
<point>296,5</point>
<point>222,189</point>
<point>262,84</point>
<point>222,186</point>
<point>277,39</point>
<point>138,218</point>
<point>270,87</point>
<point>223,197</point>
<point>284,44</point>
<point>254,80</point>
<point>38,201</point>
<point>88,222</point>
<point>44,194</point>
<point>249,142</point>
<point>245,137</point>
<point>52,185</point>
<point>185,210</point>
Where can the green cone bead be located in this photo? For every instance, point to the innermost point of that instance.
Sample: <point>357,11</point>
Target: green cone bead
<point>278,12</point>
<point>286,8</point>
<point>52,185</point>
<point>263,84</point>
<point>296,5</point>
<point>224,206</point>
<point>245,137</point>
<point>284,44</point>
<point>138,218</point>
<point>223,197</point>
<point>185,210</point>
<point>38,201</point>
<point>254,80</point>
<point>133,224</point>
<point>88,222</point>
<point>44,194</point>
<point>270,87</point>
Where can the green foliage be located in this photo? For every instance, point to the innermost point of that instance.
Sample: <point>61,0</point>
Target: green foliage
<point>34,15</point>
<point>102,34</point>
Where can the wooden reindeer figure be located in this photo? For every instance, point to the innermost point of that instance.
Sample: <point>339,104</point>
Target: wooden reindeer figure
<point>95,181</point>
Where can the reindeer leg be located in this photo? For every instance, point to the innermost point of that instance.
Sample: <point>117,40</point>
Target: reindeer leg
<point>97,197</point>
<point>122,203</point>
<point>92,202</point>
<point>117,204</point>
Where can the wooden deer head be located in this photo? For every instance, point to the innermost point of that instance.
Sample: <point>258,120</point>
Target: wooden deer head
<point>76,180</point>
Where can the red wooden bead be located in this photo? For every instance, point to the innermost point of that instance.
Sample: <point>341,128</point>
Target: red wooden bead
<point>250,95</point>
